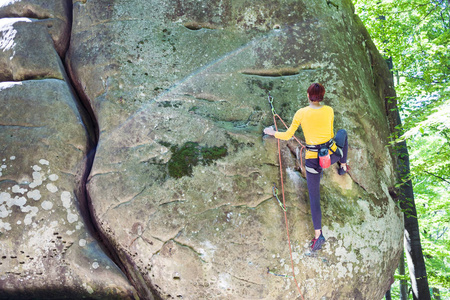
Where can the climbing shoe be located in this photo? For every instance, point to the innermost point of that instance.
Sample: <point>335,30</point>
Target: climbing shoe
<point>316,244</point>
<point>341,170</point>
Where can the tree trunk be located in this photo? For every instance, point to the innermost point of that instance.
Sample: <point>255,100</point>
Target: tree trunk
<point>414,255</point>
<point>403,283</point>
<point>388,295</point>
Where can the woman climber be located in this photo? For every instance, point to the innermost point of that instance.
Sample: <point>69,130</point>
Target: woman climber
<point>323,150</point>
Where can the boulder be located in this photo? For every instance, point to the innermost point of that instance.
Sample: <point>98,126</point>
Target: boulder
<point>182,180</point>
<point>48,245</point>
<point>27,51</point>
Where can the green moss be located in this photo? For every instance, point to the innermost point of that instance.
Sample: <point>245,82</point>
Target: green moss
<point>165,144</point>
<point>213,153</point>
<point>194,108</point>
<point>166,104</point>
<point>183,159</point>
<point>189,155</point>
<point>236,143</point>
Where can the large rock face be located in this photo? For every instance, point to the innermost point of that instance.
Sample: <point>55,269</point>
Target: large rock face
<point>180,189</point>
<point>171,81</point>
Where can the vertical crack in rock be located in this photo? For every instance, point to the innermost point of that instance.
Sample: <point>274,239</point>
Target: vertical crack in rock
<point>85,204</point>
<point>50,243</point>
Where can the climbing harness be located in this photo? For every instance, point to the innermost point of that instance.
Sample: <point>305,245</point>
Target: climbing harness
<point>323,152</point>
<point>275,116</point>
<point>316,148</point>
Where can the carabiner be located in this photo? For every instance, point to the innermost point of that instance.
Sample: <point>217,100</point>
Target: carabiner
<point>275,194</point>
<point>270,98</point>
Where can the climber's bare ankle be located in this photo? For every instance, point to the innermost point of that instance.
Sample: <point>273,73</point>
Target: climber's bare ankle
<point>317,232</point>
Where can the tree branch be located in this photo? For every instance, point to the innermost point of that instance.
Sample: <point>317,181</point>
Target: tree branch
<point>443,179</point>
<point>443,232</point>
<point>429,13</point>
<point>443,21</point>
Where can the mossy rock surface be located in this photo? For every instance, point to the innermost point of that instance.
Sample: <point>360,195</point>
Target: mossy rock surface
<point>186,157</point>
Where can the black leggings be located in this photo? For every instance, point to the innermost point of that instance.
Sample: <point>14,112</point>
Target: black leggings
<point>314,172</point>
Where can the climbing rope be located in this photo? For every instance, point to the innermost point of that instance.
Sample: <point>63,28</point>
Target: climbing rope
<point>275,116</point>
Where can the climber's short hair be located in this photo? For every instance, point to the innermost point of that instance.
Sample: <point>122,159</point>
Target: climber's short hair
<point>316,91</point>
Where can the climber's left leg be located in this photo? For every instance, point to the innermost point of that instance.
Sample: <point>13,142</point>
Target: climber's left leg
<point>313,174</point>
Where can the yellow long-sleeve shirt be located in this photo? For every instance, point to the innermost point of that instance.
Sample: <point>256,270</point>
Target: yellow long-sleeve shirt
<point>317,126</point>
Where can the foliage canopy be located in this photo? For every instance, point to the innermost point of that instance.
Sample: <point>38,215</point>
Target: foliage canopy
<point>414,37</point>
